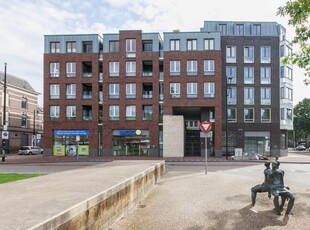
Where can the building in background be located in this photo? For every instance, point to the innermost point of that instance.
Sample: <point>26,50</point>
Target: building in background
<point>134,93</point>
<point>24,118</point>
<point>260,92</point>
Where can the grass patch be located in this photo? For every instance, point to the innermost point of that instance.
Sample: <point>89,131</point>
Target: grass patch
<point>9,177</point>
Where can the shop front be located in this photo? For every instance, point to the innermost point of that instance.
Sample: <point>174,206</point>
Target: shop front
<point>70,142</point>
<point>131,142</point>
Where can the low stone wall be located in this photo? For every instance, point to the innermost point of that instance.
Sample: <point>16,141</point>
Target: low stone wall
<point>105,209</point>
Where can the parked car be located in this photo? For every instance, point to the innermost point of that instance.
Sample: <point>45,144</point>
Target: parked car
<point>28,150</point>
<point>300,147</point>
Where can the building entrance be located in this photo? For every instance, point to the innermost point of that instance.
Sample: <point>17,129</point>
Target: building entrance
<point>192,143</point>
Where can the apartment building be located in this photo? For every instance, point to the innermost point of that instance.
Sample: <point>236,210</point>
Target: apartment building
<point>259,87</point>
<point>24,118</point>
<point>133,93</point>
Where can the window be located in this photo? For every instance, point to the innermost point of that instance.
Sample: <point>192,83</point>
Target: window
<point>174,68</point>
<point>232,115</point>
<point>289,114</point>
<point>239,30</point>
<point>265,75</point>
<point>130,68</point>
<point>87,46</point>
<point>223,29</point>
<point>249,115</point>
<point>70,112</point>
<point>114,46</point>
<point>147,90</point>
<point>209,89</point>
<point>54,69</point>
<point>192,90</point>
<point>55,47</point>
<point>24,103</point>
<point>248,75</point>
<point>114,112</point>
<point>71,47</point>
<point>231,71</point>
<point>114,68</point>
<point>248,54</point>
<point>87,91</point>
<point>191,44</point>
<point>231,96</point>
<point>265,115</point>
<point>147,46</point>
<point>249,96</point>
<point>174,45</point>
<point>209,66</point>
<point>175,90</point>
<point>286,72</point>
<point>54,112</point>
<point>147,112</point>
<point>131,48</point>
<point>113,91</point>
<point>54,91</point>
<point>24,121</point>
<point>130,112</point>
<point>265,96</point>
<point>87,113</point>
<point>130,90</point>
<point>256,29</point>
<point>286,93</point>
<point>209,44</point>
<point>70,91</point>
<point>231,54</point>
<point>70,69</point>
<point>87,69</point>
<point>192,67</point>
<point>265,54</point>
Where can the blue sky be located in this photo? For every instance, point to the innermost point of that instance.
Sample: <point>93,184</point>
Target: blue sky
<point>24,24</point>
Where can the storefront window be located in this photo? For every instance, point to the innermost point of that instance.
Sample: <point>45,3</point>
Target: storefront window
<point>71,143</point>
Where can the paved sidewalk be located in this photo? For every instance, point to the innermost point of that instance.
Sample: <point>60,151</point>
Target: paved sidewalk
<point>213,201</point>
<point>26,203</point>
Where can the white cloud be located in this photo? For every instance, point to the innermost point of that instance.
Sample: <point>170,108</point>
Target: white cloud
<point>24,24</point>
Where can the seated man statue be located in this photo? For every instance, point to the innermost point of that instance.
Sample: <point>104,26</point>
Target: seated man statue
<point>277,189</point>
<point>264,187</point>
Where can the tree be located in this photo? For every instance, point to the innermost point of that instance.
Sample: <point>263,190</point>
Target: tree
<point>302,119</point>
<point>299,14</point>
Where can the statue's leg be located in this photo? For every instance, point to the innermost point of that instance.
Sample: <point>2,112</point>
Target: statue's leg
<point>276,204</point>
<point>254,191</point>
<point>290,203</point>
<point>283,199</point>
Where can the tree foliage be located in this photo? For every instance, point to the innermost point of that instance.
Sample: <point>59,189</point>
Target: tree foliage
<point>299,15</point>
<point>302,119</point>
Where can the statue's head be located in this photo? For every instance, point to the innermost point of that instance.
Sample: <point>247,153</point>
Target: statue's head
<point>267,164</point>
<point>275,165</point>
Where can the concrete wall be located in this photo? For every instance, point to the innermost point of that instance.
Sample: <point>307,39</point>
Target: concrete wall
<point>173,136</point>
<point>105,209</point>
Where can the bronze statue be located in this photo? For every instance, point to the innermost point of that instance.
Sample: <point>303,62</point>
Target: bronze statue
<point>264,187</point>
<point>274,185</point>
<point>277,189</point>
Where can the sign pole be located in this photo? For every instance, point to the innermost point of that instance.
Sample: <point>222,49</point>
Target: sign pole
<point>206,153</point>
<point>206,127</point>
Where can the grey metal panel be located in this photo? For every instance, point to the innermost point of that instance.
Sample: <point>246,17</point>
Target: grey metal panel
<point>267,28</point>
<point>184,36</point>
<point>155,37</point>
<point>78,38</point>
<point>106,41</point>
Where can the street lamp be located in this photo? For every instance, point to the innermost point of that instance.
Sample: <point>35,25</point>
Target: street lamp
<point>4,115</point>
<point>228,82</point>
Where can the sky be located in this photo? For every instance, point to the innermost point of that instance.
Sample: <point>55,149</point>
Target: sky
<point>25,22</point>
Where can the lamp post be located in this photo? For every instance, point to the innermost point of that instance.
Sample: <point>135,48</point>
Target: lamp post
<point>34,128</point>
<point>4,115</point>
<point>228,82</point>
